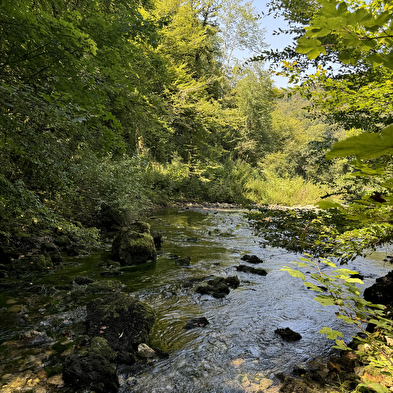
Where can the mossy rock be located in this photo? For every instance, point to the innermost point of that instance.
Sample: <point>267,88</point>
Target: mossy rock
<point>34,263</point>
<point>123,321</point>
<point>62,241</point>
<point>91,370</point>
<point>101,346</point>
<point>105,286</point>
<point>134,245</point>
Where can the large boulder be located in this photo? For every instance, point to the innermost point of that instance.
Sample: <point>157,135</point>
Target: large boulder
<point>123,321</point>
<point>134,244</point>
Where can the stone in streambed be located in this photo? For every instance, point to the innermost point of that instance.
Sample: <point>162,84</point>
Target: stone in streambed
<point>91,368</point>
<point>249,269</point>
<point>219,286</point>
<point>134,245</point>
<point>288,334</point>
<point>382,291</point>
<point>123,321</point>
<point>251,259</point>
<point>196,322</point>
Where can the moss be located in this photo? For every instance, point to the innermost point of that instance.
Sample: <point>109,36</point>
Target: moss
<point>120,319</point>
<point>132,246</point>
<point>102,347</point>
<point>104,286</point>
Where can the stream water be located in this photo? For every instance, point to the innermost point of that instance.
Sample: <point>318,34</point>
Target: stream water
<point>238,351</point>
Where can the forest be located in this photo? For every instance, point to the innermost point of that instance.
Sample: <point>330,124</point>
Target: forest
<point>112,108</point>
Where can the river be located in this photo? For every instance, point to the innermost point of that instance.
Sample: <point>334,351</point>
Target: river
<point>238,351</point>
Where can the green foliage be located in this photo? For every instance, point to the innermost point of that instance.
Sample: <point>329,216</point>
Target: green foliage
<point>107,191</point>
<point>365,146</point>
<point>211,183</point>
<point>356,35</point>
<point>255,100</point>
<point>366,28</point>
<point>301,230</point>
<point>340,291</point>
<point>269,188</point>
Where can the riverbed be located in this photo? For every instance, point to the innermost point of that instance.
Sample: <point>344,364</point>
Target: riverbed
<point>238,351</point>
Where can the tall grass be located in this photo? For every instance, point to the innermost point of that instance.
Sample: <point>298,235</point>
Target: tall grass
<point>272,189</point>
<point>235,181</point>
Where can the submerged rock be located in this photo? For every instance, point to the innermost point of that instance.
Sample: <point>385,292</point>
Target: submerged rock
<point>251,259</point>
<point>288,334</point>
<point>196,322</point>
<point>186,261</point>
<point>33,337</point>
<point>249,269</point>
<point>134,245</point>
<point>219,286</point>
<point>81,280</point>
<point>157,238</point>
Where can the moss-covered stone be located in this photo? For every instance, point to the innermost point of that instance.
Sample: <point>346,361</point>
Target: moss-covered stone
<point>101,346</point>
<point>120,319</point>
<point>90,370</point>
<point>105,286</point>
<point>134,245</point>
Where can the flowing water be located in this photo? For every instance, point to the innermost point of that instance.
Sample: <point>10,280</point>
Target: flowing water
<point>238,351</point>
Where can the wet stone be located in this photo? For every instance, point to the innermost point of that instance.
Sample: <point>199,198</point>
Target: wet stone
<point>219,286</point>
<point>120,319</point>
<point>382,291</point>
<point>134,245</point>
<point>80,280</point>
<point>249,269</point>
<point>145,351</point>
<point>251,258</point>
<point>92,371</point>
<point>186,261</point>
<point>288,334</point>
<point>196,322</point>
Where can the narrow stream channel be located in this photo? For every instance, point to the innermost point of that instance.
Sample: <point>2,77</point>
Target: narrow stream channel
<point>238,351</point>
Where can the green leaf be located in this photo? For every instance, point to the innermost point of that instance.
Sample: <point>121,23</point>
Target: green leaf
<point>293,272</point>
<point>330,333</point>
<point>310,46</point>
<point>341,345</point>
<point>325,300</point>
<point>365,146</point>
<point>329,205</point>
<point>313,287</point>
